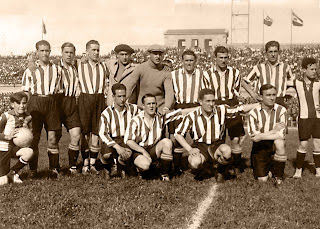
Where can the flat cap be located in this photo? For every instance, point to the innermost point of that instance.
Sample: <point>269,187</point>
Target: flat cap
<point>155,48</point>
<point>123,47</point>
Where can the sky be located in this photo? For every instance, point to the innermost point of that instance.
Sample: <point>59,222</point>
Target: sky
<point>143,22</point>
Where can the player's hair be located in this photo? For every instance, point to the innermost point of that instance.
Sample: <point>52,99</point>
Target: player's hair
<point>190,53</point>
<point>220,49</point>
<point>148,95</point>
<point>43,42</point>
<point>266,87</point>
<point>91,42</point>
<point>18,96</point>
<point>68,44</point>
<point>306,61</point>
<point>272,44</point>
<point>204,92</point>
<point>117,86</point>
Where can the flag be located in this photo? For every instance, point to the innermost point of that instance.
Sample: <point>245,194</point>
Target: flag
<point>296,21</point>
<point>44,31</point>
<point>267,20</point>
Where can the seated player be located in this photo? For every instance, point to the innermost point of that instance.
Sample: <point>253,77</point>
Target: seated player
<point>144,133</point>
<point>267,129</point>
<point>115,154</point>
<point>9,123</point>
<point>207,125</point>
<point>309,115</point>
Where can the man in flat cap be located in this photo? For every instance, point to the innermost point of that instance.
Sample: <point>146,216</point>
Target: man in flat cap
<point>120,70</point>
<point>153,79</point>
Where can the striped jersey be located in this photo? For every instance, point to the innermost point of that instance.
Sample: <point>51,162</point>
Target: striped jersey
<point>226,85</point>
<point>145,135</point>
<point>69,79</point>
<point>308,96</point>
<point>44,81</point>
<point>187,86</point>
<point>93,78</point>
<point>9,121</point>
<point>114,123</point>
<point>276,75</point>
<point>262,121</point>
<point>207,129</point>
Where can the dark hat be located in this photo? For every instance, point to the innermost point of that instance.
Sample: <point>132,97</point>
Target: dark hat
<point>155,48</point>
<point>123,47</point>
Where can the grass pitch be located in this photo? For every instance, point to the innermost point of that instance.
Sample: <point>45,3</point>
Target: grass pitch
<point>92,202</point>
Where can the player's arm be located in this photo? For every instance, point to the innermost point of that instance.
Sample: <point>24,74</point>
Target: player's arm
<point>3,123</point>
<point>248,88</point>
<point>169,93</point>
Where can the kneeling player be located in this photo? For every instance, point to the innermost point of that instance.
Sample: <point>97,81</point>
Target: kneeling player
<point>114,121</point>
<point>9,123</point>
<point>267,129</point>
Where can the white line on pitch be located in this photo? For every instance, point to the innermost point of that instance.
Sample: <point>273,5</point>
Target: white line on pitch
<point>203,207</point>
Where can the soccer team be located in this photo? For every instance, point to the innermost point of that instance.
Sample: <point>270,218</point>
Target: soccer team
<point>145,115</point>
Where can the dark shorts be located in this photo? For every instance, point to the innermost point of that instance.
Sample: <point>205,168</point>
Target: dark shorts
<point>204,148</point>
<point>90,109</point>
<point>68,111</point>
<point>44,111</point>
<point>309,127</point>
<point>150,149</point>
<point>107,150</point>
<point>234,126</point>
<point>262,157</point>
<point>5,157</point>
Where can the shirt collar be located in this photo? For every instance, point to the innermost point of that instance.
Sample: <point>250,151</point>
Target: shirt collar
<point>276,64</point>
<point>261,108</point>
<point>213,112</point>
<point>126,106</point>
<point>185,72</point>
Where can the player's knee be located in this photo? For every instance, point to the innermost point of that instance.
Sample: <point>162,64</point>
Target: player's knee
<point>142,163</point>
<point>52,140</point>
<point>195,161</point>
<point>167,143</point>
<point>106,156</point>
<point>75,136</point>
<point>316,144</point>
<point>225,150</point>
<point>25,154</point>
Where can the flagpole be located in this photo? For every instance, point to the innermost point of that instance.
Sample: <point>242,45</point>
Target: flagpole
<point>263,28</point>
<point>41,28</point>
<point>291,29</point>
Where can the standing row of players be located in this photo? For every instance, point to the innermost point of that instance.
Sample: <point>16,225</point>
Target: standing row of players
<point>205,105</point>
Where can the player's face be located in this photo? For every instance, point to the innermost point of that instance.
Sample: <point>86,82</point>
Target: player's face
<point>93,52</point>
<point>189,63</point>
<point>311,71</point>
<point>272,54</point>
<point>207,103</point>
<point>156,57</point>
<point>68,54</point>
<point>222,60</point>
<point>123,57</point>
<point>120,98</point>
<point>20,108</point>
<point>44,53</point>
<point>150,105</point>
<point>269,97</point>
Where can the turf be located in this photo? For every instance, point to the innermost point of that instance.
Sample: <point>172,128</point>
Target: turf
<point>92,202</point>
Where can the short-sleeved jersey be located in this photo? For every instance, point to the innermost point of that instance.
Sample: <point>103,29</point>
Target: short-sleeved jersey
<point>226,85</point>
<point>308,96</point>
<point>113,123</point>
<point>276,75</point>
<point>262,121</point>
<point>187,86</point>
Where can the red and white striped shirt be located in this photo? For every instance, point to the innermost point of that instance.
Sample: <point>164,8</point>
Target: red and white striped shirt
<point>276,75</point>
<point>308,96</point>
<point>44,81</point>
<point>69,79</point>
<point>145,135</point>
<point>226,85</point>
<point>262,121</point>
<point>207,129</point>
<point>93,78</point>
<point>114,123</point>
<point>187,86</point>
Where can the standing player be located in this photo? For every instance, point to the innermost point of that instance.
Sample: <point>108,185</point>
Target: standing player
<point>267,129</point>
<point>225,82</point>
<point>113,124</point>
<point>309,116</point>
<point>9,123</point>
<point>272,71</point>
<point>41,85</point>
<point>93,79</point>
<point>187,83</point>
<point>207,125</point>
<point>66,102</point>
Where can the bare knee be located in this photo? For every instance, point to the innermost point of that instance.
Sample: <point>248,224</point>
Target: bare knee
<point>25,153</point>
<point>142,163</point>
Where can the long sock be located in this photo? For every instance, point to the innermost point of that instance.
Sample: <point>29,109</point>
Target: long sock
<point>165,166</point>
<point>33,163</point>
<point>177,156</point>
<point>316,158</point>
<point>73,155</point>
<point>300,159</point>
<point>279,168</point>
<point>85,157</point>
<point>53,158</point>
<point>94,150</point>
<point>19,165</point>
<point>237,159</point>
